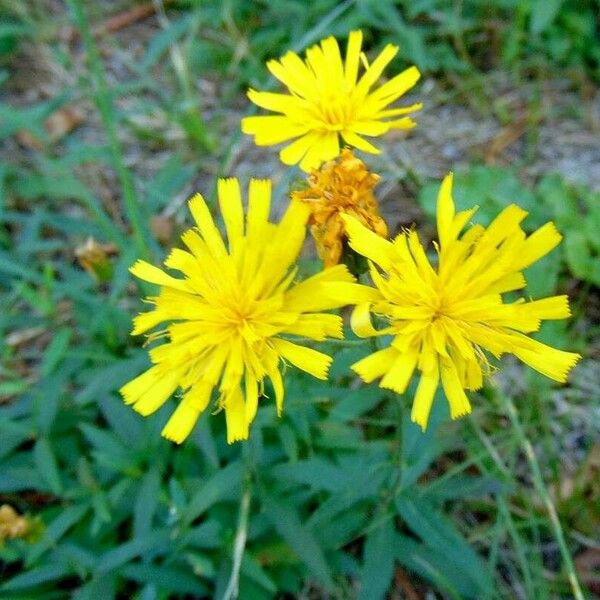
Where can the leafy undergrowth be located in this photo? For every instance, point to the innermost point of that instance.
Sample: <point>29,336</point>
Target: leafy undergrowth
<point>346,498</point>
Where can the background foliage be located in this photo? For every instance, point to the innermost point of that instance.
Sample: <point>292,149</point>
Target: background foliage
<point>107,126</point>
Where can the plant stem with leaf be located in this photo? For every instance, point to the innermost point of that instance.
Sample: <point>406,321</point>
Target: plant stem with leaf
<point>108,116</point>
<point>544,495</point>
<point>239,544</point>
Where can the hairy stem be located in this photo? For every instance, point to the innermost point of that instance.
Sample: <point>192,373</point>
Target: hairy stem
<point>239,544</point>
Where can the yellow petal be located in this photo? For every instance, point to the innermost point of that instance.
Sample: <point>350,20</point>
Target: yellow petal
<point>182,261</point>
<point>503,225</point>
<point>313,294</point>
<point>400,373</point>
<point>251,385</point>
<point>137,387</point>
<point>295,152</point>
<point>293,73</point>
<point>420,258</point>
<point>371,128</point>
<point>272,129</point>
<point>343,293</point>
<point>206,225</point>
<point>259,206</point>
<point>551,362</point>
<point>445,210</point>
<point>148,320</point>
<point>376,68</point>
<point>367,243</point>
<point>424,397</point>
<point>360,321</point>
<point>353,139</point>
<point>230,202</point>
<point>285,244</point>
<point>403,110</point>
<point>403,123</point>
<point>309,360</point>
<point>183,420</point>
<point>352,57</point>
<point>148,272</point>
<point>333,60</point>
<point>325,147</point>
<point>317,326</point>
<point>281,103</point>
<point>151,390</point>
<point>235,416</point>
<point>277,382</point>
<point>508,283</point>
<point>538,244</point>
<point>376,364</point>
<point>459,403</point>
<point>555,307</point>
<point>396,86</point>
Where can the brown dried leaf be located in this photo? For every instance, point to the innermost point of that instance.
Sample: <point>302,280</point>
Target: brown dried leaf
<point>57,125</point>
<point>125,18</point>
<point>403,584</point>
<point>162,227</point>
<point>12,524</point>
<point>507,136</point>
<point>588,567</point>
<point>95,258</point>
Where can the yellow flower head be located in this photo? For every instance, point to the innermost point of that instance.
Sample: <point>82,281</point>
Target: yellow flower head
<point>327,99</point>
<point>230,311</point>
<point>442,320</point>
<point>342,186</point>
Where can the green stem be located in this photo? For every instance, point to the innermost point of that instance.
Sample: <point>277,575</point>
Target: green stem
<point>107,114</point>
<point>239,544</point>
<point>193,122</point>
<point>544,495</point>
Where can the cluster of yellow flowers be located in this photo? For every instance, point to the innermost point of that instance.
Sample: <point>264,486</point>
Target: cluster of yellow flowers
<point>239,313</point>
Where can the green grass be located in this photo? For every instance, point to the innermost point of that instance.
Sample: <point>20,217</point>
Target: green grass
<point>343,493</point>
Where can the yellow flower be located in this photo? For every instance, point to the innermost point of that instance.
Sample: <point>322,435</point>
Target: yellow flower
<point>342,186</point>
<point>442,320</point>
<point>231,310</point>
<point>327,99</point>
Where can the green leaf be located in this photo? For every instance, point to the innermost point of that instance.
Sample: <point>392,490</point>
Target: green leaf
<point>55,351</point>
<point>432,566</point>
<point>378,565</point>
<point>466,570</point>
<point>13,388</point>
<point>36,576</point>
<point>578,254</point>
<point>55,531</point>
<point>208,534</point>
<point>213,490</point>
<point>252,569</point>
<point>173,579</point>
<point>46,464</point>
<point>299,538</point>
<point>106,378</point>
<point>316,472</point>
<point>103,586</point>
<point>146,502</point>
<point>163,40</point>
<point>355,403</point>
<point>543,14</point>
<point>117,557</point>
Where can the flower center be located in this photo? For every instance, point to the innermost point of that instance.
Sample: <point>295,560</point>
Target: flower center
<point>440,308</point>
<point>335,111</point>
<point>239,318</point>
